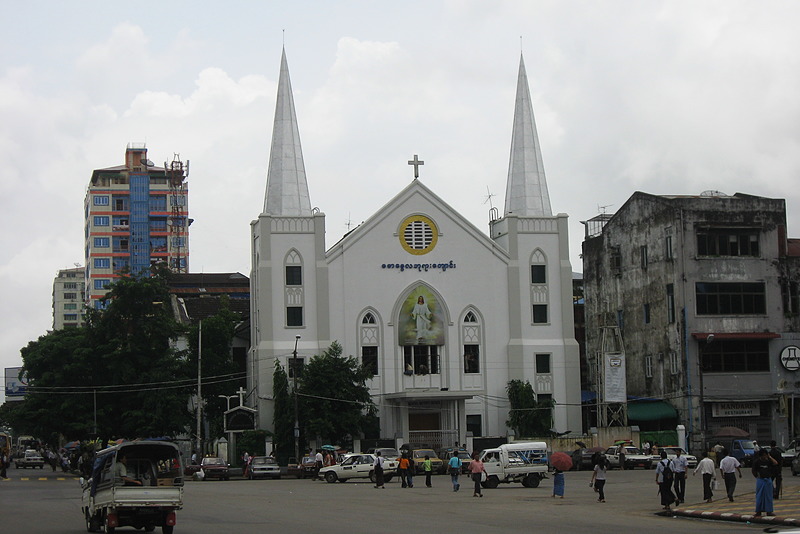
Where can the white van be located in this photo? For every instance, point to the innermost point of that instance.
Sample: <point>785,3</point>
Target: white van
<point>524,462</point>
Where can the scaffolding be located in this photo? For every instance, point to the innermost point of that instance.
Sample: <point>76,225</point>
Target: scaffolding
<point>177,173</point>
<point>612,405</point>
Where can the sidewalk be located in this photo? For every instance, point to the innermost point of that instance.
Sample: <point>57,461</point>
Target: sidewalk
<point>787,508</point>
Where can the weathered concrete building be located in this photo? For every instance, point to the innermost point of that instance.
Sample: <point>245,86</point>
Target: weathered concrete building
<point>704,292</point>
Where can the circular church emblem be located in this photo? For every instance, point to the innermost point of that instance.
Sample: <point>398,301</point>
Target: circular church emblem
<point>418,235</point>
<point>790,358</point>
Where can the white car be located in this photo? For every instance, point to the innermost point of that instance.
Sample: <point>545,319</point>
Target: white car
<point>263,467</point>
<point>691,460</point>
<point>633,458</point>
<point>357,465</point>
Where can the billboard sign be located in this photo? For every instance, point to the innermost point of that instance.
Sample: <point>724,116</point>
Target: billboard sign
<point>16,384</point>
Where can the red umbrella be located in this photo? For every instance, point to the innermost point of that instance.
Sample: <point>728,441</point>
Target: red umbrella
<point>561,461</point>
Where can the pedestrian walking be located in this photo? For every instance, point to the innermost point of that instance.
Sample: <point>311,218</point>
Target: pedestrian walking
<point>318,464</point>
<point>664,479</point>
<point>598,480</point>
<point>378,468</point>
<point>558,483</point>
<point>4,461</point>
<point>679,466</point>
<point>728,466</point>
<point>454,466</point>
<point>477,470</point>
<point>706,468</point>
<point>762,470</point>
<point>402,469</point>
<point>412,470</point>
<point>427,467</point>
<point>621,455</point>
<point>777,469</point>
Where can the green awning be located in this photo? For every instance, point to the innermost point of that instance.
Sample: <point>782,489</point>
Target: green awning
<point>651,411</point>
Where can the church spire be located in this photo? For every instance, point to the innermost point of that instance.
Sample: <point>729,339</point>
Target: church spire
<point>287,189</point>
<point>526,188</point>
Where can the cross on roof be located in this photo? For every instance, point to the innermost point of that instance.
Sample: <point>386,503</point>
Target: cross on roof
<point>416,162</point>
<point>241,393</point>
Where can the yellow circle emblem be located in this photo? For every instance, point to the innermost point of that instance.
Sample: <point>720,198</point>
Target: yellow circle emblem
<point>418,235</point>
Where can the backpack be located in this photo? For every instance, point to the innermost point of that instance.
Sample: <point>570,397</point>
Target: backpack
<point>667,472</point>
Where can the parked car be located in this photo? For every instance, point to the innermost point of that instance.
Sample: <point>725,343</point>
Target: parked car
<point>386,452</point>
<point>633,458</point>
<point>31,458</point>
<point>418,455</point>
<point>796,465</point>
<point>447,453</point>
<point>357,465</point>
<point>214,468</point>
<point>787,457</point>
<point>306,468</point>
<point>672,452</point>
<point>263,467</point>
<point>583,458</point>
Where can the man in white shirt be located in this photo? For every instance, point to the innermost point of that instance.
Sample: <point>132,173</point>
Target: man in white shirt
<point>706,468</point>
<point>679,466</point>
<point>728,467</point>
<point>318,461</point>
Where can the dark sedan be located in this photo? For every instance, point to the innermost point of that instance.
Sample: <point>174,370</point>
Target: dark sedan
<point>214,468</point>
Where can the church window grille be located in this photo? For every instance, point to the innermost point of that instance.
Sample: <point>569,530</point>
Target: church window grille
<point>472,359</point>
<point>421,359</point>
<point>294,275</point>
<point>369,359</point>
<point>294,316</point>
<point>539,313</point>
<point>368,319</point>
<point>470,318</point>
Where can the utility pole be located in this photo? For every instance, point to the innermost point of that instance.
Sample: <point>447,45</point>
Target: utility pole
<point>200,451</point>
<point>296,412</point>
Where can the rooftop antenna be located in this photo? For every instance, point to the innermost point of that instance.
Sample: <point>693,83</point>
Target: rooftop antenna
<point>488,199</point>
<point>602,209</point>
<point>349,222</point>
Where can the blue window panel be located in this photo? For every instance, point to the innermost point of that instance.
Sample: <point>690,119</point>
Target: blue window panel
<point>101,283</point>
<point>101,242</point>
<point>102,263</point>
<point>101,220</point>
<point>140,204</point>
<point>101,200</point>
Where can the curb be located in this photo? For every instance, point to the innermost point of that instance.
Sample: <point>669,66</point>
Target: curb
<point>730,516</point>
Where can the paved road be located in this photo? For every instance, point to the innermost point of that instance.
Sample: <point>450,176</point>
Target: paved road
<point>52,505</point>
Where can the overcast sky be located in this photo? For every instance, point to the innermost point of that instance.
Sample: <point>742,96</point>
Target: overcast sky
<point>664,97</point>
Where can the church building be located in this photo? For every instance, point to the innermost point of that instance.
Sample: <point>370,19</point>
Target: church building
<point>442,313</point>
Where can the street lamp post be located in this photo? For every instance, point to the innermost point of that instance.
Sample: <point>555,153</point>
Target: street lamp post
<point>296,416</point>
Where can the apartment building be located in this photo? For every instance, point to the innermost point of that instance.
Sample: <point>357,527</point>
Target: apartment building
<point>136,216</point>
<point>69,297</point>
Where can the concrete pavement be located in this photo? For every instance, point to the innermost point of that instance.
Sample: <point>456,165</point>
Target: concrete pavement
<point>786,509</point>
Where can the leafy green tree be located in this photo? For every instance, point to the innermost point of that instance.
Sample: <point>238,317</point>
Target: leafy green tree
<point>251,441</point>
<point>218,369</point>
<point>527,416</point>
<point>334,396</point>
<point>124,358</point>
<point>52,361</point>
<point>283,416</point>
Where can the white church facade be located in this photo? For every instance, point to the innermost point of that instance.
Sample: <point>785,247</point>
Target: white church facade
<point>444,314</point>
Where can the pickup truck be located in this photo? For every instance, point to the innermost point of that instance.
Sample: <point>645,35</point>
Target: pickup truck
<point>31,459</point>
<point>524,462</point>
<point>137,484</point>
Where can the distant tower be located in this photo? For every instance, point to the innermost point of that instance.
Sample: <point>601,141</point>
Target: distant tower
<point>69,309</point>
<point>136,217</point>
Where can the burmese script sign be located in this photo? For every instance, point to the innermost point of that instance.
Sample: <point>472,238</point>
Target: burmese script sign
<point>615,385</point>
<point>736,409</point>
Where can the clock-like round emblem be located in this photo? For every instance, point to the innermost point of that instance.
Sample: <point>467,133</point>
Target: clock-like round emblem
<point>418,235</point>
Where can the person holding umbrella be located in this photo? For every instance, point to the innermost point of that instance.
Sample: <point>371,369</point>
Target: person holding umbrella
<point>560,462</point>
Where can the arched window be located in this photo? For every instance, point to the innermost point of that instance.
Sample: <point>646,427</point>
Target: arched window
<point>369,339</point>
<point>471,339</point>
<point>539,288</point>
<point>293,288</point>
